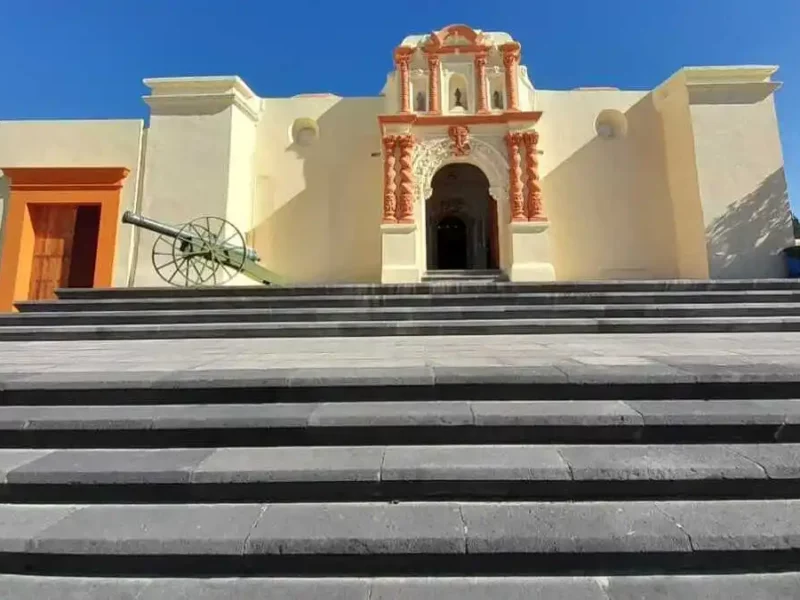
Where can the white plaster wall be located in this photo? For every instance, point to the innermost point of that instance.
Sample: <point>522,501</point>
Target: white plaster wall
<point>79,143</point>
<point>187,164</point>
<point>318,206</point>
<point>741,181</point>
<point>608,200</point>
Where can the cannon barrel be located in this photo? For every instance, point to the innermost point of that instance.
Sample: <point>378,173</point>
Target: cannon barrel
<point>139,221</point>
<point>131,218</point>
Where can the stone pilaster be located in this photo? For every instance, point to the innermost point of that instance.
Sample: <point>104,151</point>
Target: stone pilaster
<point>535,210</point>
<point>513,141</point>
<point>511,56</point>
<point>389,176</point>
<point>405,209</point>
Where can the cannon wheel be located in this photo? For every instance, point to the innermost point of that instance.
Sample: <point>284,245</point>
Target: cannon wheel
<point>208,251</point>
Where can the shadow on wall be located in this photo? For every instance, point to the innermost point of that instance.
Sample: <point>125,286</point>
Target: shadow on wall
<point>747,239</point>
<point>609,204</point>
<point>5,195</point>
<point>329,231</point>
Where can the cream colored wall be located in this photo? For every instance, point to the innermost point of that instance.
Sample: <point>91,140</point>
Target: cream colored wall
<point>106,143</point>
<point>318,206</point>
<point>607,199</point>
<point>690,244</point>
<point>741,180</point>
<point>185,176</point>
<point>199,158</point>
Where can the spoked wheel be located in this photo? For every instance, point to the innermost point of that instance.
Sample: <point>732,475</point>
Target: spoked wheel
<point>206,251</point>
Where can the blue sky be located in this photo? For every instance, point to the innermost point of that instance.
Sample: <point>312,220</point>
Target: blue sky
<point>87,58</point>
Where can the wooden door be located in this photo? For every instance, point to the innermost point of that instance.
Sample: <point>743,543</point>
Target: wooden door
<point>54,229</point>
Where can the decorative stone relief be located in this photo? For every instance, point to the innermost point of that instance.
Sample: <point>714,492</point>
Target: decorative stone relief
<point>460,136</point>
<point>433,153</point>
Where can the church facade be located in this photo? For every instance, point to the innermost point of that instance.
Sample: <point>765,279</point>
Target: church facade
<point>460,163</point>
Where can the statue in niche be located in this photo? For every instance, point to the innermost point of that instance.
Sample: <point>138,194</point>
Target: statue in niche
<point>460,100</point>
<point>497,100</point>
<point>419,102</point>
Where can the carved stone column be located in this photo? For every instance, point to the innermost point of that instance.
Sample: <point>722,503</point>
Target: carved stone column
<point>513,141</point>
<point>405,209</point>
<point>402,58</point>
<point>389,176</point>
<point>535,209</point>
<point>433,83</point>
<point>511,57</point>
<point>480,75</point>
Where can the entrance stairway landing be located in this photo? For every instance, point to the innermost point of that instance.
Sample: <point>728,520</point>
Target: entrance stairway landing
<point>444,305</point>
<point>587,467</point>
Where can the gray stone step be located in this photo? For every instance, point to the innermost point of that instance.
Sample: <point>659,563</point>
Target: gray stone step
<point>669,378</point>
<point>400,328</point>
<point>419,313</point>
<point>749,586</point>
<point>472,276</point>
<point>352,473</point>
<point>442,287</point>
<point>117,301</point>
<point>402,538</point>
<point>399,423</point>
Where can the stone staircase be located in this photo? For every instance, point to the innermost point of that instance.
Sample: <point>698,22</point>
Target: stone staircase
<point>442,306</point>
<point>469,484</point>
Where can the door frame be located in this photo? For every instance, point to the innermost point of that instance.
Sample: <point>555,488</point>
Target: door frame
<point>79,186</point>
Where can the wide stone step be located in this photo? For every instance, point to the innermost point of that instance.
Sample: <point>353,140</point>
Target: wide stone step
<point>399,423</point>
<point>180,301</point>
<point>631,379</point>
<point>400,328</point>
<point>392,473</point>
<point>667,285</point>
<point>420,313</point>
<point>402,538</point>
<point>750,586</point>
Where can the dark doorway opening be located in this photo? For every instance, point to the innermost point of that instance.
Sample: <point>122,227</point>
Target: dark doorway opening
<point>451,243</point>
<point>84,249</point>
<point>462,224</point>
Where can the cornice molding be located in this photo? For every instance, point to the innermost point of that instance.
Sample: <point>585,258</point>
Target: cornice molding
<point>46,178</point>
<point>201,95</point>
<point>199,104</point>
<point>728,75</point>
<point>726,92</point>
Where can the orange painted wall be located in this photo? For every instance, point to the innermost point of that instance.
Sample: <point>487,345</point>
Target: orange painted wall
<point>77,186</point>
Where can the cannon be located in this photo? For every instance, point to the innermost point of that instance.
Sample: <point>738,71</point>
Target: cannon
<point>206,251</point>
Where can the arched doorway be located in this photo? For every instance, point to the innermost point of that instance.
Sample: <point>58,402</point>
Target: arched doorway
<point>462,224</point>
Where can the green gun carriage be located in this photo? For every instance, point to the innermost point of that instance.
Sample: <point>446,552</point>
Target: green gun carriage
<point>206,251</point>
